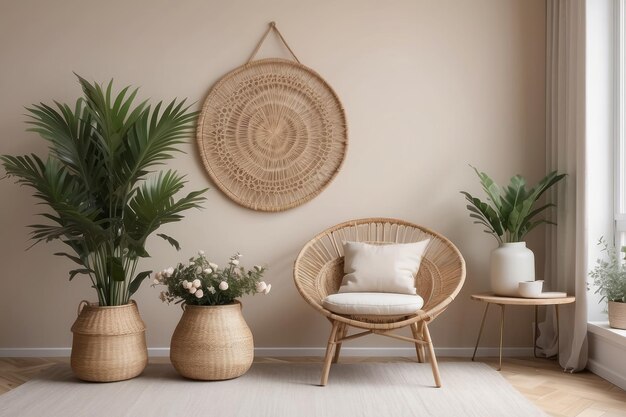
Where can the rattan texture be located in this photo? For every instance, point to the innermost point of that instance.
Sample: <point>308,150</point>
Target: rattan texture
<point>109,343</point>
<point>272,134</point>
<point>318,272</point>
<point>212,343</point>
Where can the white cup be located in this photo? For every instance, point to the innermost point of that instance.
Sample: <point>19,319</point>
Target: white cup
<point>530,289</point>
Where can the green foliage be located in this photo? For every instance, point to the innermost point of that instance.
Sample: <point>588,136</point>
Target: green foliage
<point>509,213</point>
<point>96,179</point>
<point>201,282</point>
<point>609,276</point>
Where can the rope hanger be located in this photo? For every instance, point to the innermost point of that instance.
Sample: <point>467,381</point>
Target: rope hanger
<point>272,26</point>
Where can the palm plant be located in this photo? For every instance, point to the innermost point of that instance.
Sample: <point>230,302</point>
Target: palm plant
<point>96,179</point>
<point>509,213</point>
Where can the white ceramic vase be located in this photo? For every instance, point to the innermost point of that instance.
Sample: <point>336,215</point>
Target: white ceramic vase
<point>511,263</point>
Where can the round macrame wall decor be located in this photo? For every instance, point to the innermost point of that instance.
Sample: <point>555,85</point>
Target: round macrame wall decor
<point>272,133</point>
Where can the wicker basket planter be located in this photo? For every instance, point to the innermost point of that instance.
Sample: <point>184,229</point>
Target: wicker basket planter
<point>212,343</point>
<point>109,343</point>
<point>617,315</point>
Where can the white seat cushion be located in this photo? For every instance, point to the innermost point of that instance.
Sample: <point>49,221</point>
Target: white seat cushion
<point>373,303</point>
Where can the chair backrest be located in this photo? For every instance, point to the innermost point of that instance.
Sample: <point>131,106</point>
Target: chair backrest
<point>318,269</point>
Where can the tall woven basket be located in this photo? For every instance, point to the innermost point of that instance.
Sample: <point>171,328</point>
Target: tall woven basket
<point>109,343</point>
<point>212,343</point>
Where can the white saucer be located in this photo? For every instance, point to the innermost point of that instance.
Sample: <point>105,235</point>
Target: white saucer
<point>552,294</point>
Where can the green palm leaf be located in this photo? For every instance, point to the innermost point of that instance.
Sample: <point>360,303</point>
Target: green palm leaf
<point>510,214</point>
<point>96,181</point>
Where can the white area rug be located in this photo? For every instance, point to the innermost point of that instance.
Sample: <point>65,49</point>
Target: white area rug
<point>277,390</point>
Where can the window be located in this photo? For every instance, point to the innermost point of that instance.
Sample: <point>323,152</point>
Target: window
<point>619,120</point>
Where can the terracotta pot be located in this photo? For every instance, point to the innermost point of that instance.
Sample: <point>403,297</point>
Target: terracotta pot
<point>617,315</point>
<point>109,343</point>
<point>212,343</point>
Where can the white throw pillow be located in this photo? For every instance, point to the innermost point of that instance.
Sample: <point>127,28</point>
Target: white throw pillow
<point>381,268</point>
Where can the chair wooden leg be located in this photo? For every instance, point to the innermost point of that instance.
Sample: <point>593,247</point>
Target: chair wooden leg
<point>420,328</point>
<point>341,333</point>
<point>433,358</point>
<point>330,348</point>
<point>419,348</point>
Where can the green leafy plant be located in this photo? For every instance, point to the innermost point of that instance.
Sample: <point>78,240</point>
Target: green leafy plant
<point>510,212</point>
<point>201,282</point>
<point>97,181</point>
<point>609,275</point>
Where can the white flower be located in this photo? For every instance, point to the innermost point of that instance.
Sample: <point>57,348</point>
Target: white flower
<point>234,262</point>
<point>168,272</point>
<point>238,255</point>
<point>211,290</point>
<point>198,270</point>
<point>208,271</point>
<point>258,267</point>
<point>236,272</point>
<point>186,284</point>
<point>201,252</point>
<point>196,283</point>
<point>261,286</point>
<point>192,289</point>
<point>267,289</point>
<point>199,293</point>
<point>223,285</point>
<point>212,265</point>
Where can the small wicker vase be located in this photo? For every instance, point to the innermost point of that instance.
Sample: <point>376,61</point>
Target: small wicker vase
<point>617,315</point>
<point>212,343</point>
<point>109,343</point>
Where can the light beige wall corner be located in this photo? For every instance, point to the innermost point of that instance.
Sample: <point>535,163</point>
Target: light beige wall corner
<point>428,87</point>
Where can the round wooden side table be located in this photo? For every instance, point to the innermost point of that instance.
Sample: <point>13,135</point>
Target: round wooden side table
<point>491,298</point>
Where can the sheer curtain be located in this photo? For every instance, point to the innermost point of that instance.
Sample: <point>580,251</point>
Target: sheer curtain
<point>566,244</point>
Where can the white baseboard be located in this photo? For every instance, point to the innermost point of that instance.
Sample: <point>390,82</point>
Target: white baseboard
<point>465,352</point>
<point>606,373</point>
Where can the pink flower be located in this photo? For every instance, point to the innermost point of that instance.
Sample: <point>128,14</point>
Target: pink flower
<point>223,285</point>
<point>199,293</point>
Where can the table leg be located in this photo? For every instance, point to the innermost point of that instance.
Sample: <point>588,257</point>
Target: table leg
<point>536,334</point>
<point>501,335</point>
<point>480,332</point>
<point>558,332</point>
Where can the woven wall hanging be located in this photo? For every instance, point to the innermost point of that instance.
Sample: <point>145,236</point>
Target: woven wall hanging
<point>272,133</point>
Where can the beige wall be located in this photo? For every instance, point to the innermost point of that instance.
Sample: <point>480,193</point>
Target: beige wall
<point>428,87</point>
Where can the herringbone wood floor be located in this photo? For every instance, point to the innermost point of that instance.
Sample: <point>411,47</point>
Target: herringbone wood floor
<point>541,381</point>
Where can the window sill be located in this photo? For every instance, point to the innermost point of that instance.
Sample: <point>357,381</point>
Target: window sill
<point>602,329</point>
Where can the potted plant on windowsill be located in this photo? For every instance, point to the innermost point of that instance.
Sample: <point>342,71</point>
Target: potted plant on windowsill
<point>212,340</point>
<point>105,200</point>
<point>609,278</point>
<point>509,215</point>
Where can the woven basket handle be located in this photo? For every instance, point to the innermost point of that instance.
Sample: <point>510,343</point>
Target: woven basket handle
<point>81,305</point>
<point>280,36</point>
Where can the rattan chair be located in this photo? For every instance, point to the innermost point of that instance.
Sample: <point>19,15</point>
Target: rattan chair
<point>318,272</point>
